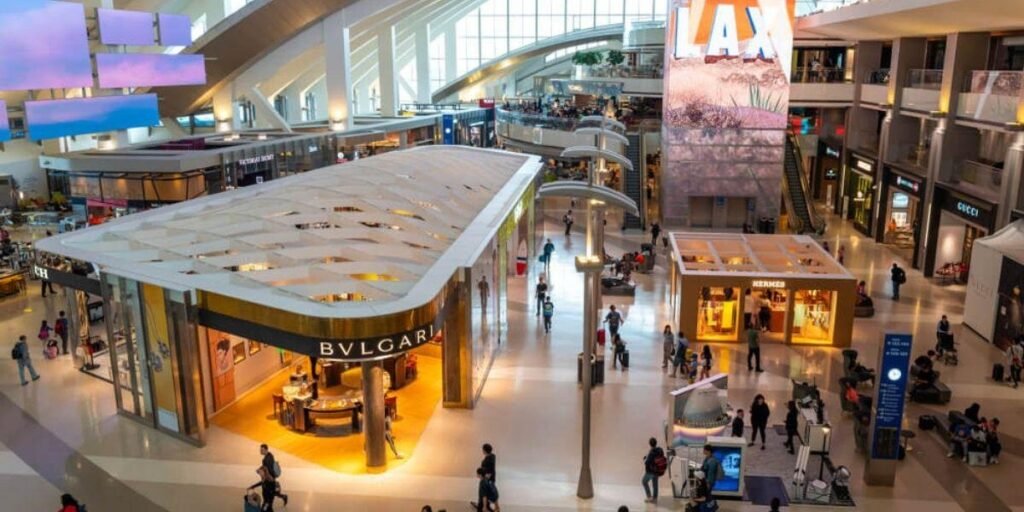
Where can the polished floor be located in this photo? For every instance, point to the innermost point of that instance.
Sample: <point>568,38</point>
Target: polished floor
<point>61,434</point>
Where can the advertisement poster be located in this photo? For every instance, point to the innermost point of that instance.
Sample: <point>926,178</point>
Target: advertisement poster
<point>159,350</point>
<point>726,101</point>
<point>1010,313</point>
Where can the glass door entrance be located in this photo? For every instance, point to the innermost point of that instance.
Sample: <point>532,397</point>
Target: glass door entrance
<point>134,395</point>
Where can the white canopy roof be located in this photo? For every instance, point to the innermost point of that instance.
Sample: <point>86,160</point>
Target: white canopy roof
<point>1008,241</point>
<point>371,237</point>
<point>754,255</point>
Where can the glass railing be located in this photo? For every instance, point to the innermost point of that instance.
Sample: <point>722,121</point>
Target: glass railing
<point>930,79</point>
<point>982,180</point>
<point>537,120</point>
<point>879,77</point>
<point>818,76</point>
<point>991,96</point>
<point>648,71</point>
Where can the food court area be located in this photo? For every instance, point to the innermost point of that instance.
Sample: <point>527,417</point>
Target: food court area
<point>301,313</point>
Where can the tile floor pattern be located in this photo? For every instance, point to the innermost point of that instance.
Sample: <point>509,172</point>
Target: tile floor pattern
<point>61,433</point>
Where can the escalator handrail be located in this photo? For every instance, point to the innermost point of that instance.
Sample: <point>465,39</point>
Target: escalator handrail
<point>794,221</point>
<point>817,223</point>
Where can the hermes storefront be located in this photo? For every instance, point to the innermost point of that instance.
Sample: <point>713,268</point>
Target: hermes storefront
<point>311,308</point>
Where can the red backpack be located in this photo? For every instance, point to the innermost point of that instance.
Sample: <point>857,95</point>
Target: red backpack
<point>660,464</point>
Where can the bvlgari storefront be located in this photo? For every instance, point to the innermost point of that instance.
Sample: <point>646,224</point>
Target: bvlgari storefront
<point>300,311</point>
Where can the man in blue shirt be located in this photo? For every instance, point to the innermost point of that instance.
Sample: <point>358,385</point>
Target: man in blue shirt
<point>711,468</point>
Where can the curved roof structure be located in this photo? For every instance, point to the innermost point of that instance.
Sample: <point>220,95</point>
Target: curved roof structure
<point>376,236</point>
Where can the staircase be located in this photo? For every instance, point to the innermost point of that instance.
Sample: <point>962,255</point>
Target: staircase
<point>802,218</point>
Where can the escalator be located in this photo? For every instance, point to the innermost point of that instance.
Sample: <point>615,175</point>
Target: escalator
<point>795,190</point>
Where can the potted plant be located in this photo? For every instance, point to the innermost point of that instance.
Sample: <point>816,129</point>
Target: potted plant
<point>615,58</point>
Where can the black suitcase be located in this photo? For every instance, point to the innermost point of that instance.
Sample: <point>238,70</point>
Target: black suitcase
<point>997,372</point>
<point>625,359</point>
<point>926,422</point>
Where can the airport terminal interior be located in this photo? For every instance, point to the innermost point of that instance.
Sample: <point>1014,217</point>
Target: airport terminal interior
<point>369,255</point>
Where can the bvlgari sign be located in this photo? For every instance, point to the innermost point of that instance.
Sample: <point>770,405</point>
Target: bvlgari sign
<point>374,348</point>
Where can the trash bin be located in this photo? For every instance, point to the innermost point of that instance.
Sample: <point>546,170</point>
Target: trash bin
<point>596,369</point>
<point>520,265</point>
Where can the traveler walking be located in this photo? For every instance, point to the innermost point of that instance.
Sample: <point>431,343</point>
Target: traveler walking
<point>655,232</point>
<point>60,326</point>
<point>549,249</point>
<point>20,353</point>
<point>273,469</point>
<point>490,462</point>
<point>759,414</point>
<point>614,320</point>
<point>679,357</point>
<point>711,467</point>
<point>567,220</point>
<point>44,285</point>
<point>791,414</point>
<point>621,355</point>
<point>541,293</point>
<point>668,342</point>
<point>705,366</point>
<point>45,331</point>
<point>737,424</point>
<point>655,464</point>
<point>549,311</point>
<point>943,331</point>
<point>898,277</point>
<point>753,349</point>
<point>1015,360</point>
<point>485,291</point>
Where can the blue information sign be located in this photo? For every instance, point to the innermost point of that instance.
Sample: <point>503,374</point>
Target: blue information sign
<point>892,387</point>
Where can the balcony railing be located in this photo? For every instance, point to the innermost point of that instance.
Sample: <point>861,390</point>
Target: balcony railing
<point>979,179</point>
<point>930,79</point>
<point>537,120</point>
<point>819,76</point>
<point>643,71</point>
<point>991,96</point>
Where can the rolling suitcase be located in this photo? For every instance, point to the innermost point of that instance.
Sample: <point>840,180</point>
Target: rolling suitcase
<point>625,359</point>
<point>600,337</point>
<point>997,372</point>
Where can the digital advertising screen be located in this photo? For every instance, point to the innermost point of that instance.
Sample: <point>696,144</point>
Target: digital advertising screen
<point>43,45</point>
<point>175,29</point>
<point>731,459</point>
<point>726,103</point>
<point>5,128</point>
<point>118,70</point>
<point>132,28</point>
<point>60,118</point>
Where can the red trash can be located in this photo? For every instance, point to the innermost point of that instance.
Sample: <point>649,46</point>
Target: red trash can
<point>520,266</point>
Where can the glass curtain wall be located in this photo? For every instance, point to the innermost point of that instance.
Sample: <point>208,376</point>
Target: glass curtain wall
<point>498,27</point>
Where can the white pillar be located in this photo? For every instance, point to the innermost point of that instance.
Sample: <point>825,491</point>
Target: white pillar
<point>224,108</point>
<point>337,57</point>
<point>386,71</point>
<point>422,42</point>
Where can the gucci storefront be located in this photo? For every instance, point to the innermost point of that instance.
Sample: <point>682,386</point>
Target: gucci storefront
<point>957,221</point>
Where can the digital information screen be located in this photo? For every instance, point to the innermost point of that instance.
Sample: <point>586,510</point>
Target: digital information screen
<point>892,386</point>
<point>43,45</point>
<point>118,70</point>
<point>60,118</point>
<point>5,128</point>
<point>132,28</point>
<point>731,459</point>
<point>175,29</point>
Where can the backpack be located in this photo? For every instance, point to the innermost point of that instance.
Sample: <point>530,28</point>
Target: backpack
<point>901,276</point>
<point>276,470</point>
<point>16,352</point>
<point>61,326</point>
<point>660,464</point>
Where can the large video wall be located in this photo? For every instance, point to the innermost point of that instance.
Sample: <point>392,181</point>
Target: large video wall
<point>45,46</point>
<point>726,99</point>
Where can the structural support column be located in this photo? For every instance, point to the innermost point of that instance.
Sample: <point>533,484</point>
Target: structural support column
<point>451,55</point>
<point>373,413</point>
<point>950,143</point>
<point>386,71</point>
<point>423,78</point>
<point>224,109</point>
<point>337,57</point>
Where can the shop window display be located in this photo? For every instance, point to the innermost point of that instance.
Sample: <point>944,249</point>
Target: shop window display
<point>718,316</point>
<point>813,316</point>
<point>768,308</point>
<point>860,204</point>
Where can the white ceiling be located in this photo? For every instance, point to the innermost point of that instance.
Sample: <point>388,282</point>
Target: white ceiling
<point>890,19</point>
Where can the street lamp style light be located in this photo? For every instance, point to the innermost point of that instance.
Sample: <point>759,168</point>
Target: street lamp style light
<point>598,197</point>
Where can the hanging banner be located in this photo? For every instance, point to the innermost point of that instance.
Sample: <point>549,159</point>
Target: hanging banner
<point>726,100</point>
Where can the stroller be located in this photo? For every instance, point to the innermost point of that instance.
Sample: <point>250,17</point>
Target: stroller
<point>946,347</point>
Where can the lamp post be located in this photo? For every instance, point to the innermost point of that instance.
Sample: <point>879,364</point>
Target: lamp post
<point>591,265</point>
